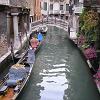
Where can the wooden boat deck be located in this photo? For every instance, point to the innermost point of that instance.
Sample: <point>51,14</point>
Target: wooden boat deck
<point>8,95</point>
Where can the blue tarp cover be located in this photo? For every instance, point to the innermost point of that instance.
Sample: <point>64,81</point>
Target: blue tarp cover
<point>40,37</point>
<point>16,74</point>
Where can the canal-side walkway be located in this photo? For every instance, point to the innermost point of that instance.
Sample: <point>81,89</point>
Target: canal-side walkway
<point>60,72</point>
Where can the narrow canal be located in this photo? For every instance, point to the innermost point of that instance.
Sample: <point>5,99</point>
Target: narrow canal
<point>60,72</point>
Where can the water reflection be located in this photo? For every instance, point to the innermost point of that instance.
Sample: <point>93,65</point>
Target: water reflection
<point>59,65</point>
<point>54,82</point>
<point>54,66</point>
<point>54,88</point>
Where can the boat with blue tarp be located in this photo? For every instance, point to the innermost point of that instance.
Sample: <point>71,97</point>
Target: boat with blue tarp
<point>18,76</point>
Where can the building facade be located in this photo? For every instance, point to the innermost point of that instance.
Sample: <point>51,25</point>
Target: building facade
<point>30,5</point>
<point>94,4</point>
<point>75,9</point>
<point>14,14</point>
<point>91,3</point>
<point>58,8</point>
<point>37,10</point>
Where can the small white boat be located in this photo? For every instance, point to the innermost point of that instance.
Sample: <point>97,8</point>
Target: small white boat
<point>43,29</point>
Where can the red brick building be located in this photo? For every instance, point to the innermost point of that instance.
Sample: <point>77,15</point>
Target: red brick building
<point>37,9</point>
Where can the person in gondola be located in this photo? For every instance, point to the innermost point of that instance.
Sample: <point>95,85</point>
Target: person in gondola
<point>40,37</point>
<point>34,43</point>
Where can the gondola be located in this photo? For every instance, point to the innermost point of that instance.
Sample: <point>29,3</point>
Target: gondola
<point>16,79</point>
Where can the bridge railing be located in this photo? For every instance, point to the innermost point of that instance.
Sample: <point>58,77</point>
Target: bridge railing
<point>50,21</point>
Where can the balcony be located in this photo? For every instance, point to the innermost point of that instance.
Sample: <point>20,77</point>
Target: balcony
<point>56,12</point>
<point>4,2</point>
<point>78,8</point>
<point>62,12</point>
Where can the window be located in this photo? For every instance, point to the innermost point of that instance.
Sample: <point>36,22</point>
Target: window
<point>61,7</point>
<point>94,1</point>
<point>45,5</point>
<point>76,2</point>
<point>51,6</point>
<point>67,7</point>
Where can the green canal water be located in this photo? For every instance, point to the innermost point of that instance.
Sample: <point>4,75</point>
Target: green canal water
<point>60,72</point>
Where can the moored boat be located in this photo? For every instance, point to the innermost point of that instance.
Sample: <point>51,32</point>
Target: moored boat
<point>43,29</point>
<point>14,82</point>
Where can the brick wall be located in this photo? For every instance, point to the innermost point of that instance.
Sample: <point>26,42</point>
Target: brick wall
<point>31,6</point>
<point>3,23</point>
<point>37,9</point>
<point>3,33</point>
<point>92,2</point>
<point>21,3</point>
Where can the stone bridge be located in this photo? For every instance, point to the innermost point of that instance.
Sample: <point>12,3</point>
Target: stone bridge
<point>60,23</point>
<point>52,21</point>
